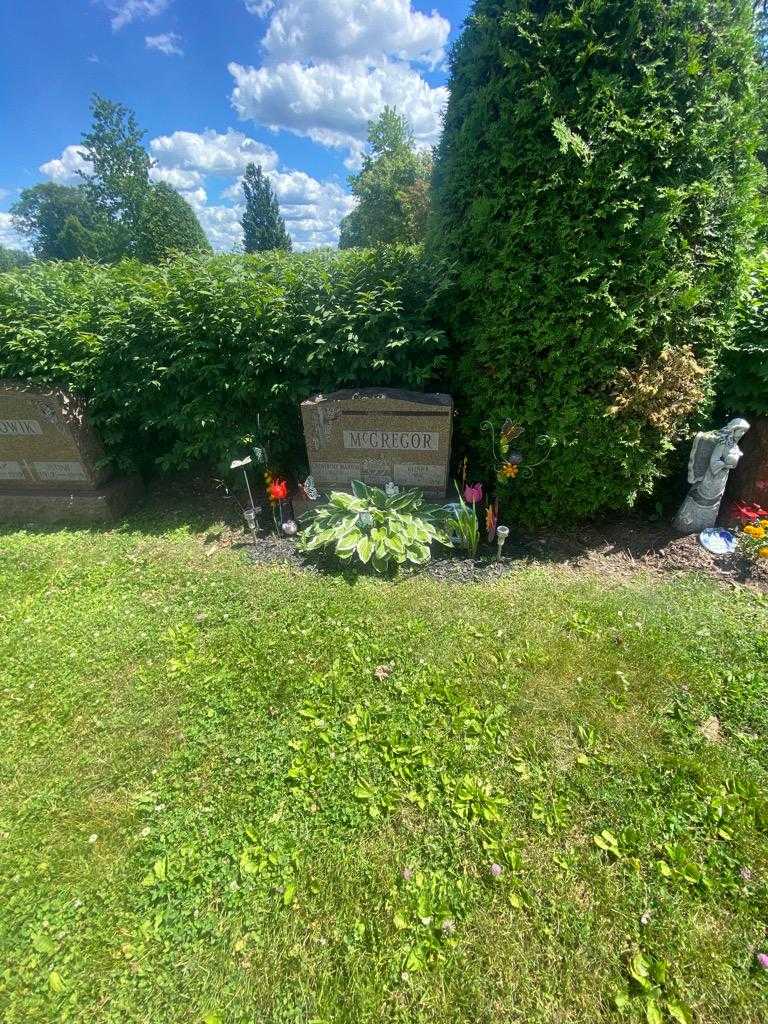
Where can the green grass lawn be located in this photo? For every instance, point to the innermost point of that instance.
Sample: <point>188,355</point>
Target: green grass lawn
<point>213,808</point>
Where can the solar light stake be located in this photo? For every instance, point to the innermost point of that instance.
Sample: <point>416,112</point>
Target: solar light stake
<point>502,532</point>
<point>250,514</point>
<point>243,464</point>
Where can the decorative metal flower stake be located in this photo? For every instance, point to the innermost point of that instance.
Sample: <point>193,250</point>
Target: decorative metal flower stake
<point>509,464</point>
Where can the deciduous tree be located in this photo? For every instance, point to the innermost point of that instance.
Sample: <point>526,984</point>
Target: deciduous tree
<point>392,187</point>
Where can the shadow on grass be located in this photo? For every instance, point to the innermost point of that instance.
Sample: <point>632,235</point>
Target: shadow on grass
<point>619,547</point>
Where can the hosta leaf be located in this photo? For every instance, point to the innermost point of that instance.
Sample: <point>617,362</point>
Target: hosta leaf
<point>347,501</point>
<point>652,1012</point>
<point>348,542</point>
<point>679,1012</point>
<point>365,547</point>
<point>395,543</point>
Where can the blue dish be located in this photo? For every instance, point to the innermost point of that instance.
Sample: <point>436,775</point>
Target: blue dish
<point>718,541</point>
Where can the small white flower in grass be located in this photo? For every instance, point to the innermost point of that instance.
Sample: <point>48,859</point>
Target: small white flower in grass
<point>92,837</point>
<point>496,870</point>
<point>645,917</point>
<point>407,874</point>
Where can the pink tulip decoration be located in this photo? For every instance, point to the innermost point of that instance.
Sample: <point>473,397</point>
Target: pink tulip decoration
<point>473,494</point>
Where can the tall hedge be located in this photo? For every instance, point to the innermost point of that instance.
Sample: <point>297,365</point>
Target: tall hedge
<point>744,379</point>
<point>596,183</point>
<point>177,360</point>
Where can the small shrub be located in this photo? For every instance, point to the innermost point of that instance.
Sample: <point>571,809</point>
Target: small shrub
<point>462,523</point>
<point>374,526</point>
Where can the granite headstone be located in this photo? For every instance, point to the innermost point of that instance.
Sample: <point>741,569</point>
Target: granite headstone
<point>51,461</point>
<point>379,435</point>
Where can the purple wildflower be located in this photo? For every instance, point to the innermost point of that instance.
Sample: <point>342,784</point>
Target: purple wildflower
<point>762,959</point>
<point>497,870</point>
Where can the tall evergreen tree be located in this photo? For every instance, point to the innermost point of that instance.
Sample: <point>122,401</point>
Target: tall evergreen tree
<point>263,226</point>
<point>596,186</point>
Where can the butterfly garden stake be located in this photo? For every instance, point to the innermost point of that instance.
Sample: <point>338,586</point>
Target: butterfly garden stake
<point>508,463</point>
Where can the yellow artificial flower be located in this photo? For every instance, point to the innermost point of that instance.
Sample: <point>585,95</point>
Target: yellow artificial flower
<point>753,531</point>
<point>763,551</point>
<point>509,471</point>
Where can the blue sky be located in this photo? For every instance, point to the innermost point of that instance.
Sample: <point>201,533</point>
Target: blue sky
<point>289,84</point>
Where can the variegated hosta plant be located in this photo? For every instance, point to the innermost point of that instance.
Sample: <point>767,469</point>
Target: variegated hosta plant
<point>376,527</point>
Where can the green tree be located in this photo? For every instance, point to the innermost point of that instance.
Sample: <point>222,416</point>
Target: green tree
<point>10,259</point>
<point>61,223</point>
<point>118,182</point>
<point>392,187</point>
<point>596,185</point>
<point>168,224</point>
<point>263,226</point>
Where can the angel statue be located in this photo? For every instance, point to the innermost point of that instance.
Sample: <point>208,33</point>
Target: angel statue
<point>714,454</point>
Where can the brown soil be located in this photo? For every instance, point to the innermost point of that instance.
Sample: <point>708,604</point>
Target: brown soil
<point>617,549</point>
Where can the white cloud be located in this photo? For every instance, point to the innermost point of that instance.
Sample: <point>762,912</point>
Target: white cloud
<point>328,30</point>
<point>8,234</point>
<point>197,198</point>
<point>261,8</point>
<point>222,225</point>
<point>63,169</point>
<point>333,103</point>
<point>176,177</point>
<point>168,43</point>
<point>126,11</point>
<point>211,152</point>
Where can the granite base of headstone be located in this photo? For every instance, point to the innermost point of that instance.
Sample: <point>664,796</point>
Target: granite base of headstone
<point>52,463</point>
<point>378,436</point>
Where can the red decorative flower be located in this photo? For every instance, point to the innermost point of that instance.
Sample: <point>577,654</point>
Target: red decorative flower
<point>278,490</point>
<point>747,513</point>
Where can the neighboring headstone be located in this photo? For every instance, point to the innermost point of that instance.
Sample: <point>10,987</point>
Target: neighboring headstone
<point>713,456</point>
<point>379,435</point>
<point>748,484</point>
<point>51,462</point>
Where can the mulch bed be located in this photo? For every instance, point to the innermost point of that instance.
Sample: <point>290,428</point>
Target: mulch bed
<point>616,550</point>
